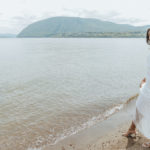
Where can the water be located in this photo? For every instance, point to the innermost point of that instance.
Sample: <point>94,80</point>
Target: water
<point>52,88</point>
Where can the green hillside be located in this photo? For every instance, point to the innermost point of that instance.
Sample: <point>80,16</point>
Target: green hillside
<point>81,27</point>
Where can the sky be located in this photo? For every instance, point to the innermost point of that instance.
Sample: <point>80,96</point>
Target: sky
<point>17,14</point>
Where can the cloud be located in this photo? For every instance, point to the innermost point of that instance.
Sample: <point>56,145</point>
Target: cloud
<point>112,16</point>
<point>15,24</point>
<point>24,20</point>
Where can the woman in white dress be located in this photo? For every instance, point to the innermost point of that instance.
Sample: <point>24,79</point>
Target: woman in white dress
<point>141,117</point>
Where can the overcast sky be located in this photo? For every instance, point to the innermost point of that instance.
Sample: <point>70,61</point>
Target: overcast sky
<point>17,14</point>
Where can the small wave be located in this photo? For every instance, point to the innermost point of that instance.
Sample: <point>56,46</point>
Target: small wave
<point>132,98</point>
<point>92,121</point>
<point>34,149</point>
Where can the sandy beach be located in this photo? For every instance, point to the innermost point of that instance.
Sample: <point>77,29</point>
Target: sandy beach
<point>115,141</point>
<point>112,141</point>
<point>106,135</point>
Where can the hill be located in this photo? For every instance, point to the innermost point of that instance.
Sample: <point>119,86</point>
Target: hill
<point>79,27</point>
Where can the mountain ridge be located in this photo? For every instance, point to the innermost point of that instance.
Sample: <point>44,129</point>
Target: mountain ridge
<point>59,25</point>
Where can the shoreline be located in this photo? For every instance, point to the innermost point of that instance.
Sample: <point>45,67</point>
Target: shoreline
<point>105,135</point>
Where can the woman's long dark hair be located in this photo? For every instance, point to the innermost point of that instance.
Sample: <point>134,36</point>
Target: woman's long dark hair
<point>147,36</point>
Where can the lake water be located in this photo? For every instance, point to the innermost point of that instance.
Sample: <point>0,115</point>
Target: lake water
<point>52,88</point>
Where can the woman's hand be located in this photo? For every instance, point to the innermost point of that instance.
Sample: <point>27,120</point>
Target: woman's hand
<point>142,82</point>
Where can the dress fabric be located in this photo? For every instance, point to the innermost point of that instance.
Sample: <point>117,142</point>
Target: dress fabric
<point>141,115</point>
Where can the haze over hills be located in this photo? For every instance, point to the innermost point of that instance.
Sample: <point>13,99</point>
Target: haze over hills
<point>80,27</point>
<point>7,35</point>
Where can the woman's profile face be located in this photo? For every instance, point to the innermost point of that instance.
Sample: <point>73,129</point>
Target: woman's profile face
<point>149,34</point>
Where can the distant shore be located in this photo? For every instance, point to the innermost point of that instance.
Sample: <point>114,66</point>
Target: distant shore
<point>91,35</point>
<point>83,35</point>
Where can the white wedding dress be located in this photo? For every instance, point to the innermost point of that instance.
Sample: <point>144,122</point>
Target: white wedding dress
<point>141,115</point>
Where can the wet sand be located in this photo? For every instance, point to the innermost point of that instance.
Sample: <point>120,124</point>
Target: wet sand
<point>106,135</point>
<point>112,141</point>
<point>115,141</point>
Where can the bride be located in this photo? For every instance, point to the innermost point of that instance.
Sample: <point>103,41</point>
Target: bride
<point>141,117</point>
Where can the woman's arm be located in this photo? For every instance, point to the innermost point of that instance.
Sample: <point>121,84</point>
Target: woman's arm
<point>143,81</point>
